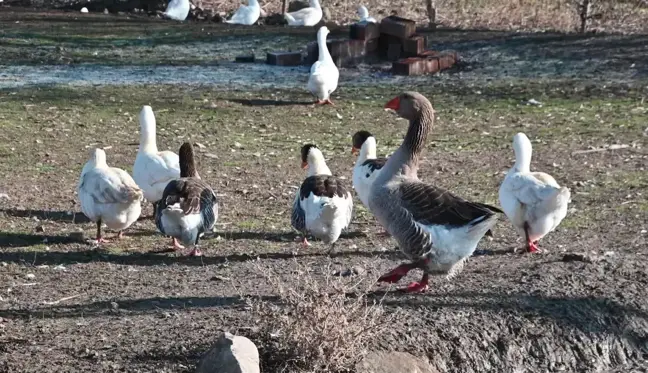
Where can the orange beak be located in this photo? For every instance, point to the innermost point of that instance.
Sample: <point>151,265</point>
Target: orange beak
<point>304,165</point>
<point>394,104</point>
<point>354,150</point>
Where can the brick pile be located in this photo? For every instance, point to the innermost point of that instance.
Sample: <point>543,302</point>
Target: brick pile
<point>394,40</point>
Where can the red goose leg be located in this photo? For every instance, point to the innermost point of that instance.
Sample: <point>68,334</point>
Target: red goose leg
<point>416,287</point>
<point>397,273</point>
<point>531,246</point>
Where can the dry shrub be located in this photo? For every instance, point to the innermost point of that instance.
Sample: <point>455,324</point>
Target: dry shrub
<point>316,324</point>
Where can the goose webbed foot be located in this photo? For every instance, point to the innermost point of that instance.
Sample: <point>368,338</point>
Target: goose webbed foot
<point>418,287</point>
<point>305,243</point>
<point>397,273</point>
<point>195,252</point>
<point>325,102</point>
<point>176,244</point>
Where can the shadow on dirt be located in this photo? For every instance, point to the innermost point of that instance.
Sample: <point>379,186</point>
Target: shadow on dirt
<point>60,216</point>
<point>262,102</point>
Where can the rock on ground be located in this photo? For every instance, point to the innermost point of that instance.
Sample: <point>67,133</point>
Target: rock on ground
<point>390,362</point>
<point>231,354</point>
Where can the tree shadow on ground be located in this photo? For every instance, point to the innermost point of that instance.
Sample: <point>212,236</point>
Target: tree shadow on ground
<point>61,216</point>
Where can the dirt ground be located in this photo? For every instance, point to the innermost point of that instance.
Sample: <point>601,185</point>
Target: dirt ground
<point>66,306</point>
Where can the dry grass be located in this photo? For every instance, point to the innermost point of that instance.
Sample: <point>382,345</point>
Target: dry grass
<point>627,16</point>
<point>318,323</point>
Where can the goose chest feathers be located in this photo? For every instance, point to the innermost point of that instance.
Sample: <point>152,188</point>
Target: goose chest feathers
<point>435,229</point>
<point>246,15</point>
<point>188,207</point>
<point>323,205</point>
<point>533,201</point>
<point>309,16</point>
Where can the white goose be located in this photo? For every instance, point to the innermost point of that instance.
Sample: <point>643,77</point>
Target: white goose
<point>363,13</point>
<point>177,10</point>
<point>323,205</point>
<point>309,16</point>
<point>367,166</point>
<point>246,15</point>
<point>533,201</point>
<point>324,75</point>
<point>108,195</point>
<point>153,170</point>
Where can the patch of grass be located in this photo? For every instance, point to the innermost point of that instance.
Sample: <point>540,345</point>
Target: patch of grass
<point>316,326</point>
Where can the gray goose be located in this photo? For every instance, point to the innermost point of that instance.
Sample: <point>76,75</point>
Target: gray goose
<point>435,229</point>
<point>323,205</point>
<point>188,207</point>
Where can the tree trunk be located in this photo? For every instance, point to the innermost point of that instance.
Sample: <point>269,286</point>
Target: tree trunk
<point>431,11</point>
<point>283,6</point>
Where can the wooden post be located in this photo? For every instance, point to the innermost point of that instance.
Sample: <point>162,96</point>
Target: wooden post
<point>431,10</point>
<point>283,6</point>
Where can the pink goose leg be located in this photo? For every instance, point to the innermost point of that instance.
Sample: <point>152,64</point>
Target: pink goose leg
<point>419,287</point>
<point>397,273</point>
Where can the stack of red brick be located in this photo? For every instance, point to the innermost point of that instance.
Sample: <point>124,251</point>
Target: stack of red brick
<point>394,39</point>
<point>400,44</point>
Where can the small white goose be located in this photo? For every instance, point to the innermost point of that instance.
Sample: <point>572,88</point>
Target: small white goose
<point>323,205</point>
<point>533,201</point>
<point>309,16</point>
<point>324,75</point>
<point>363,13</point>
<point>177,10</point>
<point>153,170</point>
<point>246,15</point>
<point>108,195</point>
<point>367,166</point>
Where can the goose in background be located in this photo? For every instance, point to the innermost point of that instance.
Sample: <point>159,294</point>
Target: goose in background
<point>533,201</point>
<point>246,15</point>
<point>177,10</point>
<point>309,16</point>
<point>363,13</point>
<point>324,75</point>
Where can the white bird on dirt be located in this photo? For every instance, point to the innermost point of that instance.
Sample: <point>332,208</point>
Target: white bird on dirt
<point>246,15</point>
<point>309,16</point>
<point>363,13</point>
<point>323,205</point>
<point>177,10</point>
<point>189,207</point>
<point>153,170</point>
<point>533,201</point>
<point>108,195</point>
<point>324,75</point>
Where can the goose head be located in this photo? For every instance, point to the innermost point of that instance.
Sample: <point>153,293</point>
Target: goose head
<point>409,105</point>
<point>97,160</point>
<point>523,150</point>
<point>322,33</point>
<point>361,138</point>
<point>313,160</point>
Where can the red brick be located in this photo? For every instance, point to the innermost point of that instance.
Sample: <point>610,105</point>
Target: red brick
<point>431,65</point>
<point>396,26</point>
<point>428,53</point>
<point>284,58</point>
<point>409,66</point>
<point>414,46</point>
<point>446,61</point>
<point>364,31</point>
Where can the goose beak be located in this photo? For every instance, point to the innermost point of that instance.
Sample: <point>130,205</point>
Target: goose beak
<point>304,165</point>
<point>354,150</point>
<point>394,104</point>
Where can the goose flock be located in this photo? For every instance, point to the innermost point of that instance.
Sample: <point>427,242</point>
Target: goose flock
<point>435,229</point>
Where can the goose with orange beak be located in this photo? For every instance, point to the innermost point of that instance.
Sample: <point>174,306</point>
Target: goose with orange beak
<point>323,204</point>
<point>435,229</point>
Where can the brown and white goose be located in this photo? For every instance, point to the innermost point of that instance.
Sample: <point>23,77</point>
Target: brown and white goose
<point>435,229</point>
<point>188,207</point>
<point>323,205</point>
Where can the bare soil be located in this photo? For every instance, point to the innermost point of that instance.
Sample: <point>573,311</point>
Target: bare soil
<point>66,306</point>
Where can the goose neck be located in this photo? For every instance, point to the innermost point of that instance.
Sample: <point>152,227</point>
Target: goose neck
<point>324,54</point>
